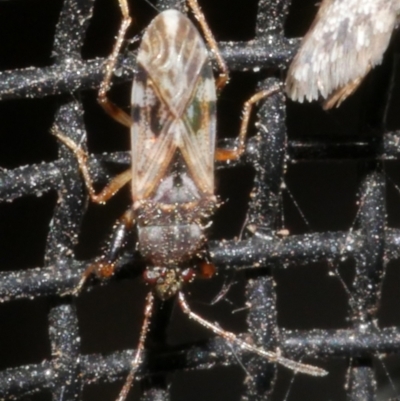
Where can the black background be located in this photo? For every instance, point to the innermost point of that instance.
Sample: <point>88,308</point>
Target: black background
<point>110,316</point>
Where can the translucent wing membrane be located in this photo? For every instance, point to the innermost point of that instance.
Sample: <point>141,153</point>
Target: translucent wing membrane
<point>198,141</point>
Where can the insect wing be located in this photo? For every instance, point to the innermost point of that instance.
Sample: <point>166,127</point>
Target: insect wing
<point>173,105</point>
<point>347,38</point>
<point>198,139</point>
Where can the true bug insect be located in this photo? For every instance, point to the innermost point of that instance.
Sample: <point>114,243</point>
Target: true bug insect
<point>346,40</point>
<point>173,148</point>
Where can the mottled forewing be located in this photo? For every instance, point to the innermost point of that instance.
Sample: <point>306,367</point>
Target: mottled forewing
<point>152,146</point>
<point>346,40</point>
<point>173,105</point>
<point>198,138</point>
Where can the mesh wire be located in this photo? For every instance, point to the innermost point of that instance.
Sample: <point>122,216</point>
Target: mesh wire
<point>361,244</point>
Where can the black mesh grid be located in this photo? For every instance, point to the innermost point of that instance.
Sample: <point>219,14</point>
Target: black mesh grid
<point>58,233</point>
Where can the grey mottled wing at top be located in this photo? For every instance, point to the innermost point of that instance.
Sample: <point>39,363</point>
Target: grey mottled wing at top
<point>346,40</point>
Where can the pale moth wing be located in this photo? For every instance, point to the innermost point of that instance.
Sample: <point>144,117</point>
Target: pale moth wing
<point>173,106</point>
<point>346,40</point>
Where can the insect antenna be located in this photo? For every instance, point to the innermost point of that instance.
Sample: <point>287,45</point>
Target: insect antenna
<point>233,339</point>
<point>153,6</point>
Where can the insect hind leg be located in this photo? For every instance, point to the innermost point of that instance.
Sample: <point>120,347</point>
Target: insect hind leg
<point>110,108</point>
<point>274,357</point>
<point>222,154</point>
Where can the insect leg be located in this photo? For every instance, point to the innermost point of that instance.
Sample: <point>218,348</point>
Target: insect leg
<point>109,107</point>
<point>112,187</point>
<point>137,360</point>
<point>337,97</point>
<point>234,154</point>
<point>224,73</point>
<point>105,266</point>
<point>232,338</point>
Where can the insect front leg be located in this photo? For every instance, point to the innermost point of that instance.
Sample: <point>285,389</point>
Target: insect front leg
<point>110,108</point>
<point>235,153</point>
<point>111,188</point>
<point>212,43</point>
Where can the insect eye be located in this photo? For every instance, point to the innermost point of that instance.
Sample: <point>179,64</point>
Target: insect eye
<point>187,274</point>
<point>207,270</point>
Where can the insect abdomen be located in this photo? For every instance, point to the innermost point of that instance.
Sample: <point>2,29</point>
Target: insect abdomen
<point>169,245</point>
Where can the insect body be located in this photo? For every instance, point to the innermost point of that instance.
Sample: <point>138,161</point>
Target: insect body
<point>173,149</point>
<point>173,134</point>
<point>346,40</point>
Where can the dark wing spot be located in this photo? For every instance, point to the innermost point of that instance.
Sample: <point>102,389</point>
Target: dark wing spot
<point>157,119</point>
<point>135,112</point>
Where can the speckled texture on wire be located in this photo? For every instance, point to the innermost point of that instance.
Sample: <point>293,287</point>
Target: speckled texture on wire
<point>370,244</point>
